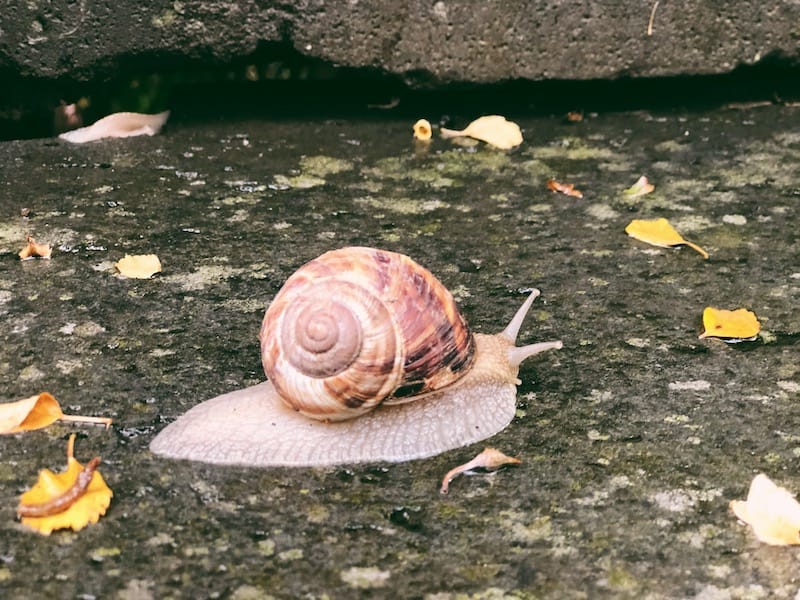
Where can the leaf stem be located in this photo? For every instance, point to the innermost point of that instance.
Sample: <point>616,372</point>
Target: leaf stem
<point>84,419</point>
<point>696,247</point>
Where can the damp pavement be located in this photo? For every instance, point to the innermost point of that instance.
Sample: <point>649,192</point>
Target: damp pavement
<point>634,437</point>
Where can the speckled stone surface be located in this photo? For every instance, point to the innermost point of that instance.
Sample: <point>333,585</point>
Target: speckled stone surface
<point>634,437</point>
<point>424,42</point>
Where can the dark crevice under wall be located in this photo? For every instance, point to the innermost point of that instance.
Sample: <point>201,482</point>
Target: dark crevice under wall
<point>281,84</point>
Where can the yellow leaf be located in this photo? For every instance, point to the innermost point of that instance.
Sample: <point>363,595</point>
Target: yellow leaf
<point>422,130</point>
<point>740,324</point>
<point>490,459</point>
<point>771,511</point>
<point>493,129</point>
<point>659,232</point>
<point>140,266</point>
<point>640,188</point>
<point>37,412</point>
<point>71,499</point>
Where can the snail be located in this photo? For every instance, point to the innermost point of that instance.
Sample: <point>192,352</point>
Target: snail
<point>367,359</point>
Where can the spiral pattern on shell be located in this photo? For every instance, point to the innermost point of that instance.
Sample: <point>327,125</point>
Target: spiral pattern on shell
<point>358,326</point>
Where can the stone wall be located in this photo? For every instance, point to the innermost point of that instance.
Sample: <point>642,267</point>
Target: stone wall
<point>424,42</point>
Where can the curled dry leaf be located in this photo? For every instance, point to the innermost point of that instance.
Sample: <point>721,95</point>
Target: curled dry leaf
<point>139,266</point>
<point>659,232</point>
<point>734,325</point>
<point>118,125</point>
<point>422,130</point>
<point>771,511</point>
<point>564,188</point>
<point>33,250</point>
<point>71,499</point>
<point>490,459</point>
<point>493,129</point>
<point>640,188</point>
<point>37,412</point>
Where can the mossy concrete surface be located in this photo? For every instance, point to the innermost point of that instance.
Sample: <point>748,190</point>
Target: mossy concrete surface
<point>634,437</point>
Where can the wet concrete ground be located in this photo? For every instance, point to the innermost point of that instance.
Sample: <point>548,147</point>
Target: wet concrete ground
<point>634,437</point>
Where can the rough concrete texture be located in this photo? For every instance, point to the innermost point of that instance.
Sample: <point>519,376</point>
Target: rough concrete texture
<point>634,437</point>
<point>424,42</point>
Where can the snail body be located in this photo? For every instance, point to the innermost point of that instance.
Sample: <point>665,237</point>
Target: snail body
<point>368,359</point>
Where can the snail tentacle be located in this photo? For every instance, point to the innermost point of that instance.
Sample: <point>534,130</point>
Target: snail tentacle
<point>517,354</point>
<point>512,329</point>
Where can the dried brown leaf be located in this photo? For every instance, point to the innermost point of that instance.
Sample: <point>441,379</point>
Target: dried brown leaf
<point>564,188</point>
<point>490,459</point>
<point>32,250</point>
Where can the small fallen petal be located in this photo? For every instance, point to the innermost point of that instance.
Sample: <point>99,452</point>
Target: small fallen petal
<point>490,459</point>
<point>771,511</point>
<point>495,130</point>
<point>33,250</point>
<point>139,266</point>
<point>118,125</point>
<point>564,188</point>
<point>640,188</point>
<point>422,130</point>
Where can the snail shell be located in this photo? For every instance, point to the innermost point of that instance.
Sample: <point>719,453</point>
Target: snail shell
<point>366,333</point>
<point>345,334</point>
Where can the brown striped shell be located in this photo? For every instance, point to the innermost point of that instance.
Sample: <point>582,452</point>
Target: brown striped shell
<point>356,327</point>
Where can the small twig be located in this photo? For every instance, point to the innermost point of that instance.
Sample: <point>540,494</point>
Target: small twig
<point>652,18</point>
<point>393,103</point>
<point>64,501</point>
